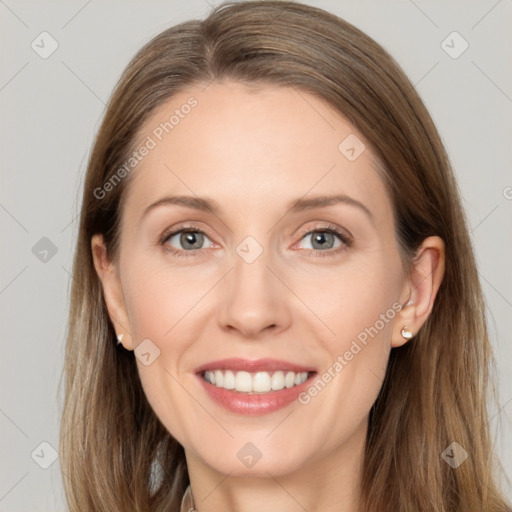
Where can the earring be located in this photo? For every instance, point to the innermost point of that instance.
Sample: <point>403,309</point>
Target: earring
<point>119,339</point>
<point>406,334</point>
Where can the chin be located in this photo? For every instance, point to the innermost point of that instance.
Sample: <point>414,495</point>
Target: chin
<point>253,459</point>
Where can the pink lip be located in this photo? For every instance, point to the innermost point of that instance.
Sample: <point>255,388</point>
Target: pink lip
<point>258,365</point>
<point>259,403</point>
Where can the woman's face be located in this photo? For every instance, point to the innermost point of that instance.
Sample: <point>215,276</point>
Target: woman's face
<point>259,279</point>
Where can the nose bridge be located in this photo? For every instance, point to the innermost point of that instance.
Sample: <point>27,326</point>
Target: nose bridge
<point>254,296</point>
<point>251,267</point>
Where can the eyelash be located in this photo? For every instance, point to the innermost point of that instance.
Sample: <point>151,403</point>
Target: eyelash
<point>345,239</point>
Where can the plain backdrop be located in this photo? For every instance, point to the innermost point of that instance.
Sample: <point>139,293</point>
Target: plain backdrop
<point>52,107</point>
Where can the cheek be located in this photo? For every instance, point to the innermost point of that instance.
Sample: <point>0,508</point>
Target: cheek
<point>159,297</point>
<point>154,311</point>
<point>163,306</point>
<point>359,297</point>
<point>359,306</point>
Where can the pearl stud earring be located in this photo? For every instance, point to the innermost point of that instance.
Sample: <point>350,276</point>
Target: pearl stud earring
<point>406,334</point>
<point>119,339</point>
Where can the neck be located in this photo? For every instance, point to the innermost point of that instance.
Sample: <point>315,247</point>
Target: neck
<point>330,483</point>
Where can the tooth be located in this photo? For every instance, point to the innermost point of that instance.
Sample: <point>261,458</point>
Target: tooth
<point>243,381</point>
<point>261,382</point>
<point>277,382</point>
<point>219,378</point>
<point>229,380</point>
<point>289,380</point>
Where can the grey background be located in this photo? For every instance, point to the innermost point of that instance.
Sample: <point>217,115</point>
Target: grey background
<point>52,107</point>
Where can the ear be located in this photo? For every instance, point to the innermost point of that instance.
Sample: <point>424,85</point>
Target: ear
<point>424,280</point>
<point>112,290</point>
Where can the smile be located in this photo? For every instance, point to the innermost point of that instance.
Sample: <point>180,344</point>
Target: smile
<point>259,382</point>
<point>254,387</point>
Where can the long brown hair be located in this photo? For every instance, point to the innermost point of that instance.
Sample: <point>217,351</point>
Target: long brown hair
<point>115,454</point>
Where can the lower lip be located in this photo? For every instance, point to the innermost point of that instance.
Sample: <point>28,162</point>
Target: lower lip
<point>256,404</point>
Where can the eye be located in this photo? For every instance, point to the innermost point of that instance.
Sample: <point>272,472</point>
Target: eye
<point>323,239</point>
<point>187,240</point>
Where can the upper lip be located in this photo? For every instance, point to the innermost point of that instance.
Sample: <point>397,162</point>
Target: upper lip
<point>257,365</point>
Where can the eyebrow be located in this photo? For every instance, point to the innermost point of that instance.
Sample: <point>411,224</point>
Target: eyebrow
<point>296,206</point>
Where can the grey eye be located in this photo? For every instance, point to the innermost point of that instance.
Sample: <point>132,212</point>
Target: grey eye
<point>321,240</point>
<point>189,240</point>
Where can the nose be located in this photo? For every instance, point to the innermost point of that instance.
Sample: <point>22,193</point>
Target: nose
<point>254,299</point>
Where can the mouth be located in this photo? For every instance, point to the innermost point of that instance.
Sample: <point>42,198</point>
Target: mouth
<point>255,382</point>
<point>254,387</point>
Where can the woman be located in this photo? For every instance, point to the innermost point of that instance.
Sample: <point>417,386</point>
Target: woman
<point>321,344</point>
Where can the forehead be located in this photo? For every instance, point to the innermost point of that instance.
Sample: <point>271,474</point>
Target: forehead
<point>252,147</point>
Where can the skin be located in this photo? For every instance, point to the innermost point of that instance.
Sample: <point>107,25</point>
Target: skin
<point>255,151</point>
